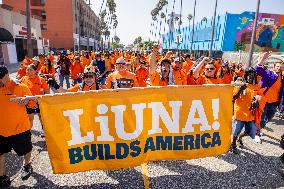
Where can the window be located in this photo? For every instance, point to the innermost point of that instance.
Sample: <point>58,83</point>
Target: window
<point>43,15</point>
<point>42,2</point>
<point>43,27</point>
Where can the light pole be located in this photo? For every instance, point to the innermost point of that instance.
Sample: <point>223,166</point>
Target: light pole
<point>213,28</point>
<point>29,30</point>
<point>253,34</point>
<point>193,22</point>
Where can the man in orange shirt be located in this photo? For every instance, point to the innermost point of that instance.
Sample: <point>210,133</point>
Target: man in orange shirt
<point>142,74</point>
<point>187,65</point>
<point>273,82</point>
<point>245,103</point>
<point>15,128</point>
<point>76,69</point>
<point>121,78</point>
<point>27,61</point>
<point>179,75</point>
<point>209,76</point>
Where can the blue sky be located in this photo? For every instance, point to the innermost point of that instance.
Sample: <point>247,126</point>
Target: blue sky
<point>134,18</point>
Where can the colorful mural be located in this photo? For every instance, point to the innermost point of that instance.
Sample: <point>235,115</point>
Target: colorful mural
<point>269,33</point>
<point>233,33</point>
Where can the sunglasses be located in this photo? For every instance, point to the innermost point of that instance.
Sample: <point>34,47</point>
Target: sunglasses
<point>209,69</point>
<point>121,64</point>
<point>89,76</point>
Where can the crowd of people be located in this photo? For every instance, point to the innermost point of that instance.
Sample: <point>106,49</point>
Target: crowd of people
<point>256,99</point>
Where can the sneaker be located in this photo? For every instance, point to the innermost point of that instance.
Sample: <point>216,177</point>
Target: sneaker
<point>234,149</point>
<point>241,142</point>
<point>257,139</point>
<point>26,171</point>
<point>5,181</point>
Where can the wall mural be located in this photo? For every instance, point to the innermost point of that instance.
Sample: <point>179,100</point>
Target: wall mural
<point>269,33</point>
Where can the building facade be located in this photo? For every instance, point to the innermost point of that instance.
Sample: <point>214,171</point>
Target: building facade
<point>232,33</point>
<point>14,44</point>
<point>62,21</point>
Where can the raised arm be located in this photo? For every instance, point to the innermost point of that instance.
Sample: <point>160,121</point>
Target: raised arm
<point>153,59</point>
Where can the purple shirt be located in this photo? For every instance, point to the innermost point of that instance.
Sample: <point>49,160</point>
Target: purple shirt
<point>268,79</point>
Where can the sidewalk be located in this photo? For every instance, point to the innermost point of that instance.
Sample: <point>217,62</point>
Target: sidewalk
<point>13,67</point>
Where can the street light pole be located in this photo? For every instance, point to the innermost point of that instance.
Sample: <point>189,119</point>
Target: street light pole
<point>213,28</point>
<point>29,30</point>
<point>253,34</point>
<point>193,22</point>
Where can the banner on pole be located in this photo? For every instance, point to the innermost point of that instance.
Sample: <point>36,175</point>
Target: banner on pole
<point>108,130</point>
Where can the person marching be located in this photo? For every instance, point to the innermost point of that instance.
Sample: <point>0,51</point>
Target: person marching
<point>179,74</point>
<point>48,70</point>
<point>76,69</point>
<point>37,86</point>
<point>273,82</point>
<point>161,75</point>
<point>121,77</point>
<point>246,101</point>
<point>208,77</point>
<point>142,74</point>
<point>15,131</point>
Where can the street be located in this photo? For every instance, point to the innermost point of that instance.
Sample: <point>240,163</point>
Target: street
<point>255,167</point>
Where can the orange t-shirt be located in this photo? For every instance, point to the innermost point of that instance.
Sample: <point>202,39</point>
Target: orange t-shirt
<point>272,95</point>
<point>75,69</point>
<point>14,118</point>
<point>37,85</point>
<point>208,80</point>
<point>51,58</point>
<point>85,61</point>
<point>27,62</point>
<point>85,88</point>
<point>21,72</point>
<point>240,72</point>
<point>187,66</point>
<point>228,78</point>
<point>142,74</point>
<point>180,77</point>
<point>242,104</point>
<point>155,80</point>
<point>190,79</point>
<point>123,80</point>
<point>44,70</point>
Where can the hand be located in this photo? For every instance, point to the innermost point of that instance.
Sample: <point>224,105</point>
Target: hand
<point>52,83</point>
<point>206,60</point>
<point>22,102</point>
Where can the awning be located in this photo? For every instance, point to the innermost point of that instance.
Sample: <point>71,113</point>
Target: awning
<point>5,36</point>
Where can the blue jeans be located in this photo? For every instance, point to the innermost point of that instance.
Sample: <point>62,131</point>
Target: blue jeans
<point>250,128</point>
<point>268,113</point>
<point>77,81</point>
<point>61,79</point>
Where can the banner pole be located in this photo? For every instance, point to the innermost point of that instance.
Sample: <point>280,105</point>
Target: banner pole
<point>123,89</point>
<point>145,174</point>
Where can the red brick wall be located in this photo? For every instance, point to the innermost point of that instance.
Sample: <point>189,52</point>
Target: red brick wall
<point>59,20</point>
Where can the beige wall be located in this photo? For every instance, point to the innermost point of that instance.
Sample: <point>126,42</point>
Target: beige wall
<point>8,18</point>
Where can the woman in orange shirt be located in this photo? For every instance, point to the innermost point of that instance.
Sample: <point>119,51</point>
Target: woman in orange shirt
<point>245,104</point>
<point>48,70</point>
<point>37,86</point>
<point>21,72</point>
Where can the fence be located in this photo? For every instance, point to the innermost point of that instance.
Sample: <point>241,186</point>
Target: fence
<point>243,57</point>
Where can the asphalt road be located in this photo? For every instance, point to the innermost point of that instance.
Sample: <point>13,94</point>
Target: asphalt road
<point>255,167</point>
